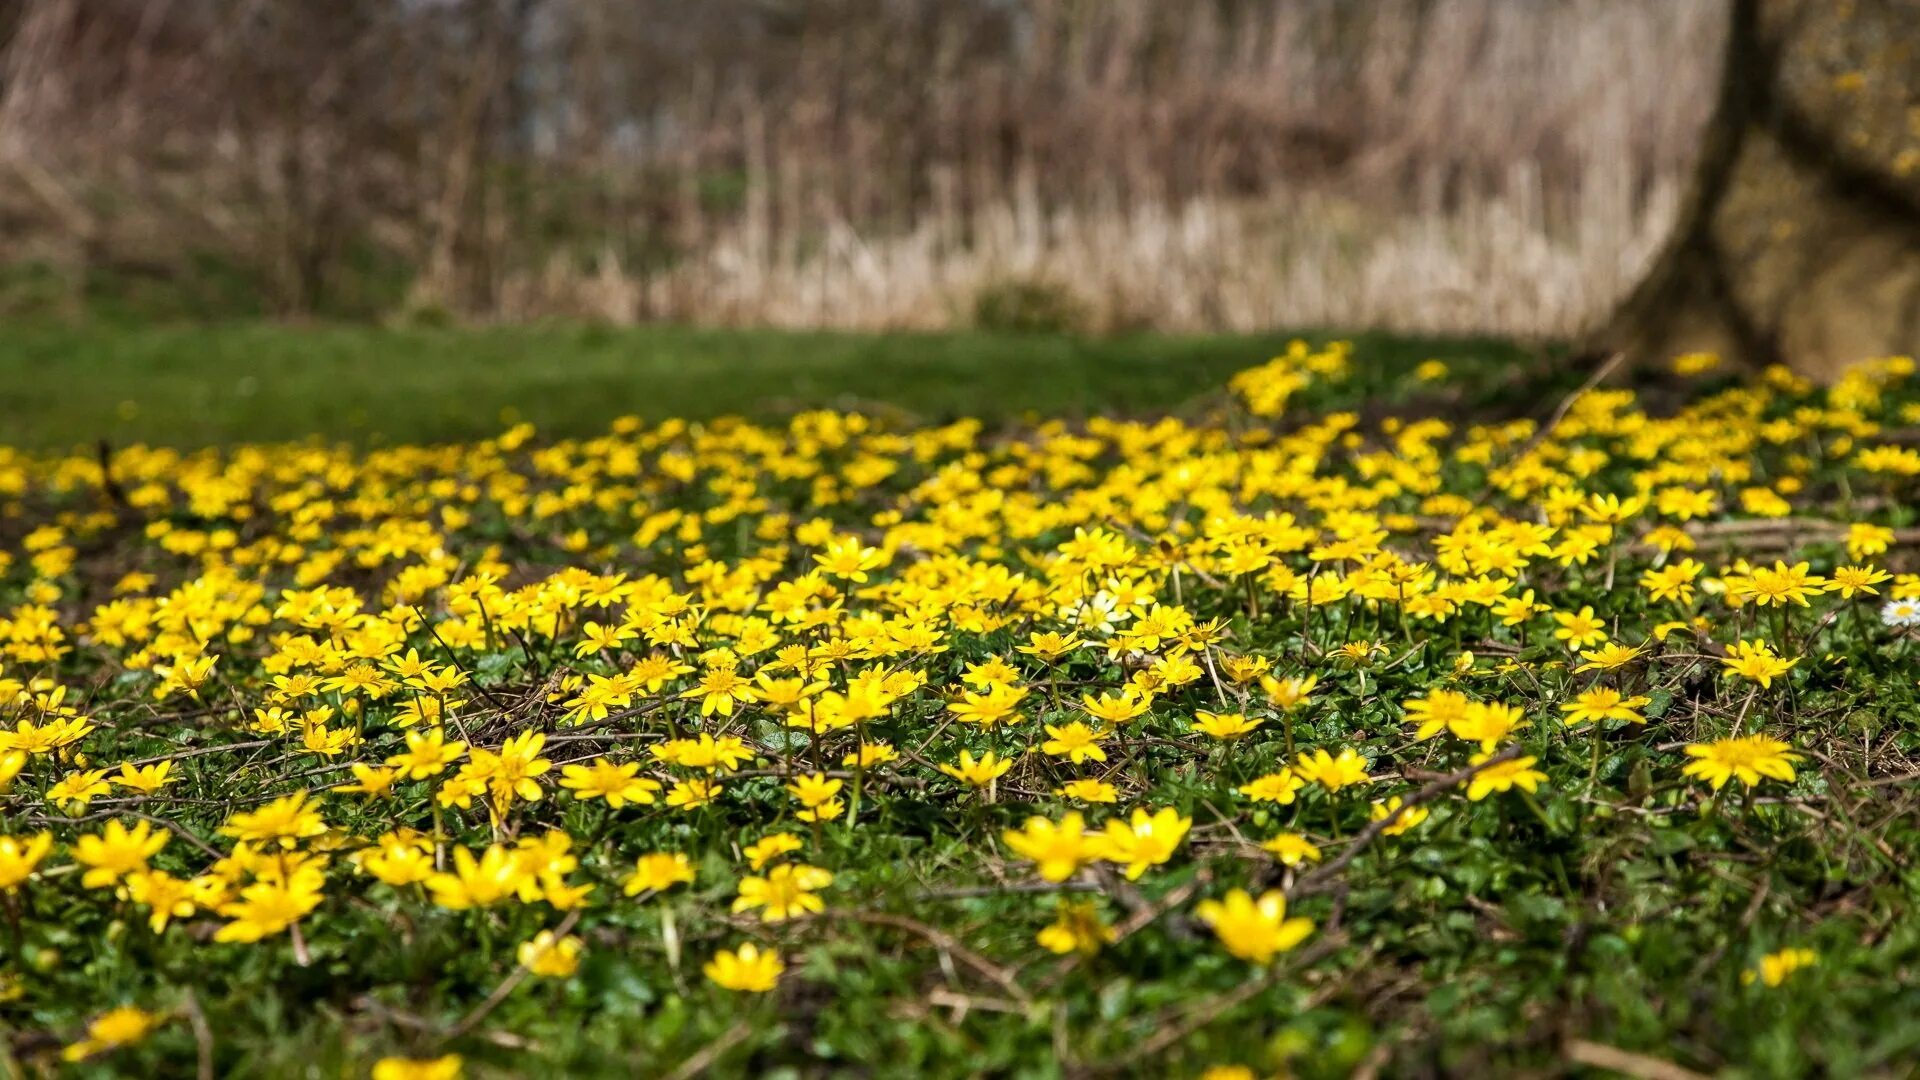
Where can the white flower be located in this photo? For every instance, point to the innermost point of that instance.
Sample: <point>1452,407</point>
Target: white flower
<point>1096,614</point>
<point>1901,613</point>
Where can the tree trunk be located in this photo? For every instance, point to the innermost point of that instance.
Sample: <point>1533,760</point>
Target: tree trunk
<point>1800,240</point>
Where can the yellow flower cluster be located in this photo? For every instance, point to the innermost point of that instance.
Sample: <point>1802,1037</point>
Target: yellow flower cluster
<point>259,688</point>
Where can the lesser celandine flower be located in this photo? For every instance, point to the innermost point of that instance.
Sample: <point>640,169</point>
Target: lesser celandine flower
<point>117,851</point>
<point>764,850</point>
<point>1503,776</point>
<point>615,784</point>
<point>1292,849</point>
<point>787,891</point>
<point>1775,967</point>
<point>1399,817</point>
<point>549,956</point>
<point>1077,928</point>
<point>977,772</point>
<point>657,872</point>
<point>1145,840</point>
<point>747,969</point>
<point>1057,850</point>
<point>1745,758</point>
<point>19,855</point>
<point>1604,703</point>
<point>445,1067</point>
<point>1756,661</point>
<point>1330,772</point>
<point>1088,791</point>
<point>1281,787</point>
<point>1223,726</point>
<point>1253,930</point>
<point>112,1030</point>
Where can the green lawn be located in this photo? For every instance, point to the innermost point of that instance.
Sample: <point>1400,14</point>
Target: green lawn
<point>191,385</point>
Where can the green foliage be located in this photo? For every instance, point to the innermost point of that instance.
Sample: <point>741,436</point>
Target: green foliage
<point>1029,306</point>
<point>63,386</point>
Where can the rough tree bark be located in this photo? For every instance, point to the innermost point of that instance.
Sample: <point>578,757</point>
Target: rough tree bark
<point>1800,240</point>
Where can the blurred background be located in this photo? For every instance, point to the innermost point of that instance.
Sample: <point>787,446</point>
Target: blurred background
<point>1499,167</point>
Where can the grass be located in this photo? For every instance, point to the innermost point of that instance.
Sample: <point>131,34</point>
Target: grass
<point>63,386</point>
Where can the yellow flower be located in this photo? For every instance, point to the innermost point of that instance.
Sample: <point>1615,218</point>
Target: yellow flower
<point>1848,580</point>
<point>266,908</point>
<point>978,773</point>
<point>1580,629</point>
<point>167,896</point>
<point>1292,849</point>
<point>78,789</point>
<point>1607,657</point>
<point>1488,722</point>
<point>399,859</point>
<point>1117,708</point>
<point>551,957</point>
<point>1410,817</point>
<point>1695,363</point>
<point>617,784</point>
<point>19,856</point>
<point>1612,509</point>
<point>997,706</point>
<point>1757,662</point>
<point>374,780</point>
<point>1049,646</point>
<point>1505,776</point>
<point>1673,582</point>
<point>1088,791</point>
<point>719,688</point>
<point>1783,584</point>
<point>769,848</point>
<point>1077,928</point>
<point>1746,758</point>
<point>869,755</point>
<point>745,969</point>
<point>1076,742</point>
<point>657,872</point>
<point>284,821</point>
<point>512,771</point>
<point>1224,726</point>
<point>448,1067</point>
<point>478,882</point>
<point>38,739</point>
<point>1252,929</point>
<point>1864,539</point>
<point>1437,712</point>
<point>1147,840</point>
<point>1332,773</point>
<point>1057,851</point>
<point>846,558</point>
<point>787,891</point>
<point>112,1030</point>
<point>1281,787</point>
<point>428,754</point>
<point>1290,693</point>
<point>117,852</point>
<point>690,794</point>
<point>815,790</point>
<point>146,780</point>
<point>1774,967</point>
<point>1603,703</point>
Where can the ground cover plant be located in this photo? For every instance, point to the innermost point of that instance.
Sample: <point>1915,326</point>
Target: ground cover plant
<point>1322,731</point>
<point>191,385</point>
